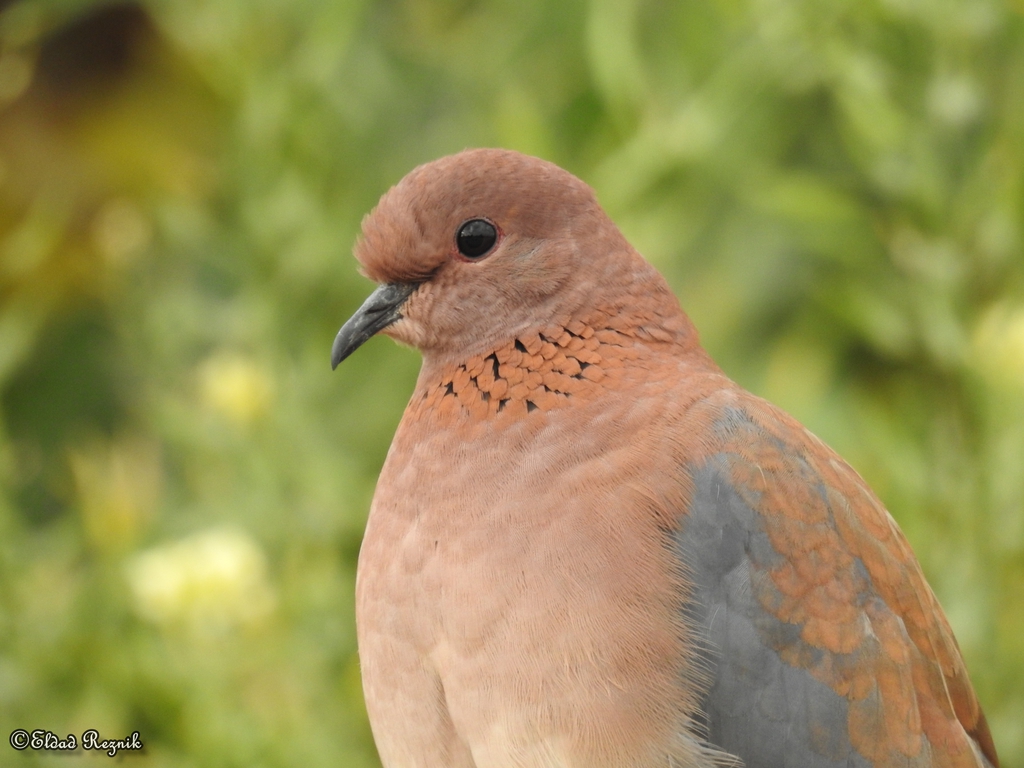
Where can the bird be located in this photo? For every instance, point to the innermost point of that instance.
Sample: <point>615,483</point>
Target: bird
<point>588,546</point>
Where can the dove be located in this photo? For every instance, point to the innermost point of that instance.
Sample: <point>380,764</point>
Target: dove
<point>588,546</point>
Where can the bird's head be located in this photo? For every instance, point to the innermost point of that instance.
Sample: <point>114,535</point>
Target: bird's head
<point>474,248</point>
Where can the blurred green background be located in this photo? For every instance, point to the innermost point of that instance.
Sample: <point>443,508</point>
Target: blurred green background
<point>834,189</point>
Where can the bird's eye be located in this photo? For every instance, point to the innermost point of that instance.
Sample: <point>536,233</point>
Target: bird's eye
<point>475,238</point>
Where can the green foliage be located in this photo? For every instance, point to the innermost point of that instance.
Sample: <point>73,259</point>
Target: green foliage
<point>833,189</point>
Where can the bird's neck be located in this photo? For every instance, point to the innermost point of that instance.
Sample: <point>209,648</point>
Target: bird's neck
<point>543,368</point>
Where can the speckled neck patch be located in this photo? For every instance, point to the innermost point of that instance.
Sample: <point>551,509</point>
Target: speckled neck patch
<point>538,371</point>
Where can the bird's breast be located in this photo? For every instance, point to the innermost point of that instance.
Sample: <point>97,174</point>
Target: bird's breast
<point>528,574</point>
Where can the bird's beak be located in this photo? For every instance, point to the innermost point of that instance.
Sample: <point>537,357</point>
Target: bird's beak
<point>381,309</point>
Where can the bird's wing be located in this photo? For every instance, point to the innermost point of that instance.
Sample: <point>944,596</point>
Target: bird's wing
<point>824,643</point>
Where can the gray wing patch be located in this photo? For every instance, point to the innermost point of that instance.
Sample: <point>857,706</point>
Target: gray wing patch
<point>764,711</point>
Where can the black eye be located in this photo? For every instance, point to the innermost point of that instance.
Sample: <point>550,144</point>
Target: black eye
<point>475,238</point>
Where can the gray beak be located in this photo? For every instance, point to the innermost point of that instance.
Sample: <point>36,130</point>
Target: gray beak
<point>381,309</point>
